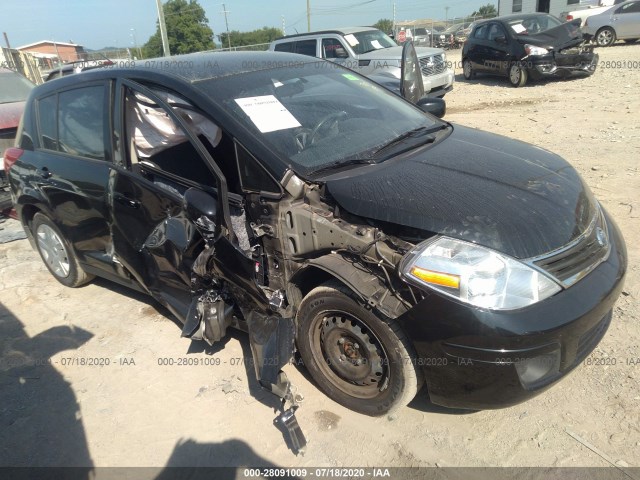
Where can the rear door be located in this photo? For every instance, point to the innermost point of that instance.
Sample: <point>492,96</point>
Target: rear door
<point>626,20</point>
<point>71,163</point>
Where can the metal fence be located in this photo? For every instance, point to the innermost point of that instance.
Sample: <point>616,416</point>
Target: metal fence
<point>22,62</point>
<point>258,47</point>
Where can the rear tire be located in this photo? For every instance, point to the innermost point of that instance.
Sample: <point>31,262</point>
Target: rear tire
<point>518,75</point>
<point>605,37</point>
<point>357,357</point>
<point>56,253</point>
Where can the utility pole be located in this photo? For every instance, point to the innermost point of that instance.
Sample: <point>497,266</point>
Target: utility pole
<point>224,10</point>
<point>6,39</point>
<point>446,14</point>
<point>284,28</point>
<point>393,27</point>
<point>308,15</point>
<point>163,29</point>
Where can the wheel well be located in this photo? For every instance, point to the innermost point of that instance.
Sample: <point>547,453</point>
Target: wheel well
<point>607,27</point>
<point>27,214</point>
<point>311,278</point>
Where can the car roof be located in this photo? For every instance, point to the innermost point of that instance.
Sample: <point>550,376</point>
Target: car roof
<point>506,18</point>
<point>338,31</point>
<point>191,68</point>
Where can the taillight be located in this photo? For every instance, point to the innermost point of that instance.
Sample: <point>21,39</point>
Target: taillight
<point>569,18</point>
<point>11,156</point>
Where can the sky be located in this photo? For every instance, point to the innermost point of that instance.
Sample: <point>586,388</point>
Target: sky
<point>118,23</point>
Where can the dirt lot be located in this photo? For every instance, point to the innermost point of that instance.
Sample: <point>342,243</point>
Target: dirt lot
<point>135,412</point>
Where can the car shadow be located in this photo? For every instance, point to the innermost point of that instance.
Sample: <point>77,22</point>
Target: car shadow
<point>40,416</point>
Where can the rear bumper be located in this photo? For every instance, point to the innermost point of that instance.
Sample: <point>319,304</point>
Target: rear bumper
<point>480,359</point>
<point>562,65</point>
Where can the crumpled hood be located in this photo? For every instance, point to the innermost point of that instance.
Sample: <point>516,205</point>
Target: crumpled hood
<point>476,186</point>
<point>563,36</point>
<point>395,53</point>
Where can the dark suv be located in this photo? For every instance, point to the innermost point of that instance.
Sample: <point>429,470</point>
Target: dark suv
<point>311,207</point>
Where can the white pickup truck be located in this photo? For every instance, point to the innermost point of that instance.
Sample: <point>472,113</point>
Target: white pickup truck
<point>585,10</point>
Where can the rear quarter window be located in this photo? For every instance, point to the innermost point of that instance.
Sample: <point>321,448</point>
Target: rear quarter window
<point>284,47</point>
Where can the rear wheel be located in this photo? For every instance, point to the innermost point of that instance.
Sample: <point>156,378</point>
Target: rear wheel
<point>517,75</point>
<point>56,252</point>
<point>605,37</point>
<point>358,358</point>
<point>467,70</point>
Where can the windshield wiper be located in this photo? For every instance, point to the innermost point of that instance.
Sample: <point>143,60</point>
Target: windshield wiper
<point>344,163</point>
<point>416,132</point>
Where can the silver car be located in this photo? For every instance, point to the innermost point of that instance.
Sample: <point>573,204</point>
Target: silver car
<point>621,22</point>
<point>370,52</point>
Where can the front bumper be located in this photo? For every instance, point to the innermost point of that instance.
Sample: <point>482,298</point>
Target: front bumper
<point>438,85</point>
<point>479,359</point>
<point>562,65</point>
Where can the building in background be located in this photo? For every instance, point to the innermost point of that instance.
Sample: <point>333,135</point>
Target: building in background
<point>64,52</point>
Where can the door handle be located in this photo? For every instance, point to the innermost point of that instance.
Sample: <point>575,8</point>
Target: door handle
<point>126,201</point>
<point>44,172</point>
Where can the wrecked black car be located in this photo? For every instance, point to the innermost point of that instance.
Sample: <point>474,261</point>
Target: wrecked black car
<point>316,210</point>
<point>535,45</point>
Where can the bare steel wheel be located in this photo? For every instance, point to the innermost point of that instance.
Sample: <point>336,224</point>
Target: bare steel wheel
<point>357,357</point>
<point>56,252</point>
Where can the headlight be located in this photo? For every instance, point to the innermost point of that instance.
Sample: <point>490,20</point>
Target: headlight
<point>476,275</point>
<point>533,50</point>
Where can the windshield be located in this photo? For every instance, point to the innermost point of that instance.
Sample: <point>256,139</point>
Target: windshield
<point>14,87</point>
<point>315,117</point>
<point>532,25</point>
<point>454,28</point>
<point>363,42</point>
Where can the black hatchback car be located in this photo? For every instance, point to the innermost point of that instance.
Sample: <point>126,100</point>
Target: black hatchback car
<point>535,45</point>
<point>305,204</point>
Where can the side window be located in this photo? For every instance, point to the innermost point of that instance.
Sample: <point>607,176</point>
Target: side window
<point>158,143</point>
<point>47,117</point>
<point>253,176</point>
<point>517,6</point>
<point>573,2</point>
<point>481,32</point>
<point>330,48</point>
<point>633,7</point>
<point>495,30</point>
<point>284,47</point>
<point>306,47</point>
<point>73,122</point>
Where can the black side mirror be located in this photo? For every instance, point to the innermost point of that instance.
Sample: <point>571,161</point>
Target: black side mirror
<point>411,86</point>
<point>433,105</point>
<point>500,39</point>
<point>341,53</point>
<point>201,208</point>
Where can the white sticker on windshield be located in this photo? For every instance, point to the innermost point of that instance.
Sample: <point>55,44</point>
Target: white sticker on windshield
<point>267,113</point>
<point>376,44</point>
<point>353,41</point>
<point>518,28</point>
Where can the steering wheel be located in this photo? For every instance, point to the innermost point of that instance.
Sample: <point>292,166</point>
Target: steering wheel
<point>305,136</point>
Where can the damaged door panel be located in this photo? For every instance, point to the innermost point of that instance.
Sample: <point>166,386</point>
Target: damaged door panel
<point>176,237</point>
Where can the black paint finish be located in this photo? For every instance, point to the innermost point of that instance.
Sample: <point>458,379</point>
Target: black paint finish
<point>501,193</point>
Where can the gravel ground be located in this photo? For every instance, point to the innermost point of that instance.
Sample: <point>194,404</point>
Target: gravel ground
<point>131,410</point>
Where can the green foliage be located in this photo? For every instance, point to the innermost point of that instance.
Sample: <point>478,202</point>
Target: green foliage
<point>384,24</point>
<point>187,30</point>
<point>239,39</point>
<point>488,10</point>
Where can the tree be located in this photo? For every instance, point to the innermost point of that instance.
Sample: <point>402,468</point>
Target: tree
<point>488,10</point>
<point>238,39</point>
<point>384,24</point>
<point>187,30</point>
